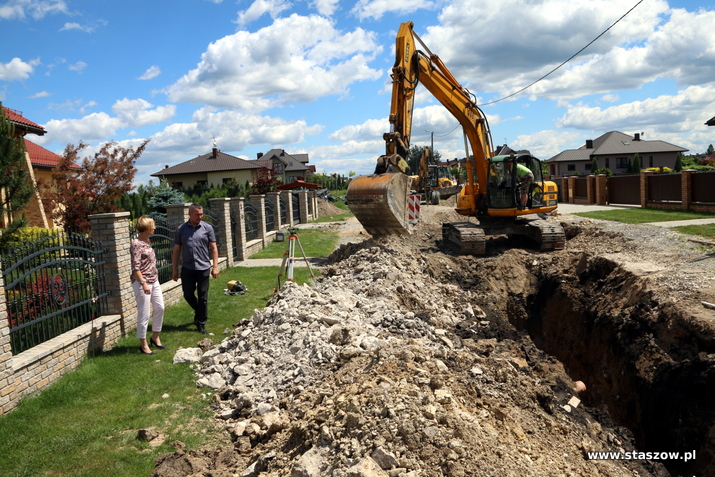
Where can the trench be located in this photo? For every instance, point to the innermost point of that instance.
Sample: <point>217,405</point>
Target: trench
<point>647,363</point>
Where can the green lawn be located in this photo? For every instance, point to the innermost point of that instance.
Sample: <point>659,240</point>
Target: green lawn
<point>641,216</point>
<point>315,242</point>
<point>86,423</point>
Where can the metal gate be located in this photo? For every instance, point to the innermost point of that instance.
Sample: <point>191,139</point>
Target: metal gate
<point>53,283</point>
<point>624,189</point>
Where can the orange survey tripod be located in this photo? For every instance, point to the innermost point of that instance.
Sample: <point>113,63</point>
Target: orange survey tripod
<point>289,257</point>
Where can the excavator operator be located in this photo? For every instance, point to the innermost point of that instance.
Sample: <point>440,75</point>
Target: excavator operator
<point>525,178</point>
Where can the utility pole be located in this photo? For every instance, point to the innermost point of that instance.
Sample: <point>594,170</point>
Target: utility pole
<point>431,147</point>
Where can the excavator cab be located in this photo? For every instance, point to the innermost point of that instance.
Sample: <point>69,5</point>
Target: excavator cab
<point>504,189</point>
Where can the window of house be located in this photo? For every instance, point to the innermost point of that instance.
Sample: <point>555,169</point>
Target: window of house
<point>621,163</point>
<point>650,161</point>
<point>608,163</point>
<point>278,168</point>
<point>202,184</point>
<point>588,166</point>
<point>226,180</point>
<point>571,167</point>
<point>177,185</point>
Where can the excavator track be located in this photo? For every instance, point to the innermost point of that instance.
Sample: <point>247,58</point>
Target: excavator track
<point>466,236</point>
<point>549,235</point>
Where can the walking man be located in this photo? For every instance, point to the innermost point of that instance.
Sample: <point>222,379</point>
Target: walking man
<point>195,243</point>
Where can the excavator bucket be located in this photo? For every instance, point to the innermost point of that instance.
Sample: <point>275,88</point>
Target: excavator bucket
<point>379,202</point>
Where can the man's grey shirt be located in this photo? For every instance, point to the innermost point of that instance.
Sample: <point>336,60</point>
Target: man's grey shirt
<point>194,241</point>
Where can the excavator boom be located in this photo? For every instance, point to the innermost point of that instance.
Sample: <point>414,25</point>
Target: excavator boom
<point>492,192</point>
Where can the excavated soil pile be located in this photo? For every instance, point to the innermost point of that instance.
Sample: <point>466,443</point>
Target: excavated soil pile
<point>405,359</point>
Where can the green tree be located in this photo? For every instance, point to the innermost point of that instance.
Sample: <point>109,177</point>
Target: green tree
<point>710,150</point>
<point>165,195</point>
<point>678,163</point>
<point>14,181</point>
<point>594,166</point>
<point>96,187</point>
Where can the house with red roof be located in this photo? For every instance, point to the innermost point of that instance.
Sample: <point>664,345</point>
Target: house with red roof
<point>39,161</point>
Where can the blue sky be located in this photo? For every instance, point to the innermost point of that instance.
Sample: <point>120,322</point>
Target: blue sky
<point>313,76</point>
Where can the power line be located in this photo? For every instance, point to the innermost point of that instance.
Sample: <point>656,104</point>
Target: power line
<point>571,58</point>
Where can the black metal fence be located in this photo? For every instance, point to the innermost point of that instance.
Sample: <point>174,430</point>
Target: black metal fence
<point>250,212</point>
<point>296,208</point>
<point>162,241</point>
<point>54,282</point>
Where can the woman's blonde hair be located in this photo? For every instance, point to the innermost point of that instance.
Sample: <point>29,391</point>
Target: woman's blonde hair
<point>143,223</point>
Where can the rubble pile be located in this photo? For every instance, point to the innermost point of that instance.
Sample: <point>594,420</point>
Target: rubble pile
<point>370,373</point>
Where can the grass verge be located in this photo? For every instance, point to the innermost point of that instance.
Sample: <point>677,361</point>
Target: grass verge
<point>86,423</point>
<point>641,216</point>
<point>315,242</point>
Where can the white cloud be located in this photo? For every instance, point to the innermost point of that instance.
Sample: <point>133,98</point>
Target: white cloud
<point>79,66</point>
<point>546,144</point>
<point>684,112</point>
<point>94,127</point>
<point>544,34</point>
<point>41,94</point>
<point>255,71</point>
<point>37,9</point>
<point>151,72</point>
<point>76,26</point>
<point>260,7</point>
<point>375,9</point>
<point>17,69</point>
<point>232,130</point>
<point>325,7</point>
<point>138,112</point>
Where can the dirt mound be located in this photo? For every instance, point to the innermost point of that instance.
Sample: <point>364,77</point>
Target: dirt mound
<point>407,360</point>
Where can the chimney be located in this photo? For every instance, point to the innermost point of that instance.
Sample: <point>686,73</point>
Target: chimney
<point>589,143</point>
<point>637,137</point>
<point>259,155</point>
<point>214,154</point>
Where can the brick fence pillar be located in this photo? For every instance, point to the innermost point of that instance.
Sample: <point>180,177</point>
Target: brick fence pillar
<point>113,231</point>
<point>289,202</point>
<point>177,214</point>
<point>8,397</point>
<point>239,224</point>
<point>222,209</point>
<point>601,189</point>
<point>591,189</point>
<point>686,187</point>
<point>644,176</point>
<point>571,186</point>
<point>303,206</point>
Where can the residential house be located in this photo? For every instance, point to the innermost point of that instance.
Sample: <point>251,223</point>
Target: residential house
<point>614,151</point>
<point>217,168</point>
<point>288,167</point>
<point>711,121</point>
<point>212,169</point>
<point>39,162</point>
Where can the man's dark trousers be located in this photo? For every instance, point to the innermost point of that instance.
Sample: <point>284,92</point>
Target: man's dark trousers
<point>192,281</point>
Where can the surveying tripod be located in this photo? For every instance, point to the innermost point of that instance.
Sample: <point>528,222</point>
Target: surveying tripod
<point>289,258</point>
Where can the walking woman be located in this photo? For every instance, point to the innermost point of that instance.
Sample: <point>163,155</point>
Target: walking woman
<point>145,282</point>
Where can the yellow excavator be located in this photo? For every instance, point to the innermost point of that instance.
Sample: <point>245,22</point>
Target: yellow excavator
<point>499,189</point>
<point>434,181</point>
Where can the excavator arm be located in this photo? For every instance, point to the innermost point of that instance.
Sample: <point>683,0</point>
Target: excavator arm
<point>379,201</point>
